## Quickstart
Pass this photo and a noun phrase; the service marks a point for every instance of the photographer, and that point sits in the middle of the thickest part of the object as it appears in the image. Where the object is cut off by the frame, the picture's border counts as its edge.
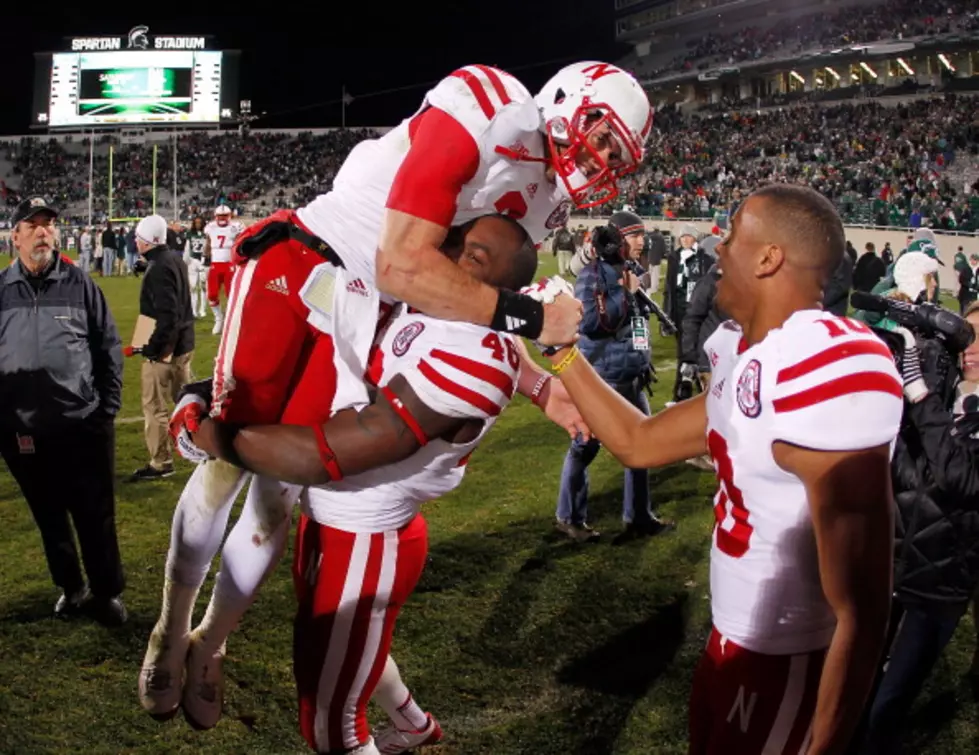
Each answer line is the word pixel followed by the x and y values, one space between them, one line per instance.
pixel 935 472
pixel 615 339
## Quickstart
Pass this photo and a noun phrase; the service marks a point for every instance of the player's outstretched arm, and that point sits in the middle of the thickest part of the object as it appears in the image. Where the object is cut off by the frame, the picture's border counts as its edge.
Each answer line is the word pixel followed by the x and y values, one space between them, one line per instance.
pixel 350 443
pixel 411 268
pixel 443 158
pixel 850 500
pixel 638 441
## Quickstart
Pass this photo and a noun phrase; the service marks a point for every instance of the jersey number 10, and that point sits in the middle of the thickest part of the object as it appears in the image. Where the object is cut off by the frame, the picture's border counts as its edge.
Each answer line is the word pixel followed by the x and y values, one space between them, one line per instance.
pixel 733 542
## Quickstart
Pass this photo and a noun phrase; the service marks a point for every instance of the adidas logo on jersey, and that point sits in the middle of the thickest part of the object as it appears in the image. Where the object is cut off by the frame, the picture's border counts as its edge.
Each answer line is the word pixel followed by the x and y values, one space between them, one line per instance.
pixel 356 286
pixel 513 323
pixel 279 285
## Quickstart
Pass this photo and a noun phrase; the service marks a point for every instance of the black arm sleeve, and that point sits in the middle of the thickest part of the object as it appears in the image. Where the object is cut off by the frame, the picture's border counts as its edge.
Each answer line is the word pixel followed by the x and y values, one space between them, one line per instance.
pixel 106 347
pixel 698 308
pixel 950 451
pixel 166 305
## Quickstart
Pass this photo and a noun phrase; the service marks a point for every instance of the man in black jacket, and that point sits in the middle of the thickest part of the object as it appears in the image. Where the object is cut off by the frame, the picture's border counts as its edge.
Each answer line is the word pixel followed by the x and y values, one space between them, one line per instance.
pixel 936 485
pixel 60 389
pixel 165 298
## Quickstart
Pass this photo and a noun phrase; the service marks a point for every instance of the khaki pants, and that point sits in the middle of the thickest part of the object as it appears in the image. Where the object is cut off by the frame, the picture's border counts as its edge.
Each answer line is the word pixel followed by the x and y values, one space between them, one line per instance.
pixel 161 383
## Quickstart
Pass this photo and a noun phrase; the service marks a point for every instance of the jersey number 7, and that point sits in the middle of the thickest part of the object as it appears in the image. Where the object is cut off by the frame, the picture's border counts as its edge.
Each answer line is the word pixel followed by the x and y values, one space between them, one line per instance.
pixel 221 240
pixel 733 542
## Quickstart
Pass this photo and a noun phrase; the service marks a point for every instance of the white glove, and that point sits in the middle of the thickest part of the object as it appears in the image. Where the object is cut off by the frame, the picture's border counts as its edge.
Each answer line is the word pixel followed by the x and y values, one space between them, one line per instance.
pixel 186 419
pixel 546 290
pixel 915 387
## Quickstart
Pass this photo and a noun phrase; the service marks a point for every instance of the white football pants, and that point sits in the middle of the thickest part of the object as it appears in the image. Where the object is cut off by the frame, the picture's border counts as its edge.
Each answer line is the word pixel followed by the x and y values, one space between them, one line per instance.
pixel 197 274
pixel 251 552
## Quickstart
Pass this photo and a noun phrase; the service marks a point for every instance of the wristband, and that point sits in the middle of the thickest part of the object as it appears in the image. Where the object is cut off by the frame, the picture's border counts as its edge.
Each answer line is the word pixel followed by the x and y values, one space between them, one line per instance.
pixel 563 364
pixel 327 456
pixel 402 411
pixel 535 394
pixel 518 314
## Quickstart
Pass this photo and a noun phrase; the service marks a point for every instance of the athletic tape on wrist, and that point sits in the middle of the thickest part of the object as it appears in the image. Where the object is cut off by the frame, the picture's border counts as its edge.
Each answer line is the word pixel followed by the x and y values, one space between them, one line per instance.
pixel 327 457
pixel 518 314
pixel 542 381
pixel 402 411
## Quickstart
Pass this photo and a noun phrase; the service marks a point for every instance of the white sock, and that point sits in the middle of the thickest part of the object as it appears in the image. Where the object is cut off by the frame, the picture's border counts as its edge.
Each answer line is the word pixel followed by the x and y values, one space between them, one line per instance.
pixel 178 607
pixel 218 315
pixel 396 700
pixel 198 526
pixel 251 552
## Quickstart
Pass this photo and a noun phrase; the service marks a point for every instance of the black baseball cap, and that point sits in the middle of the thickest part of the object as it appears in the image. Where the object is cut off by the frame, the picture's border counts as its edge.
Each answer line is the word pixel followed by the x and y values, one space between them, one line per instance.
pixel 31 207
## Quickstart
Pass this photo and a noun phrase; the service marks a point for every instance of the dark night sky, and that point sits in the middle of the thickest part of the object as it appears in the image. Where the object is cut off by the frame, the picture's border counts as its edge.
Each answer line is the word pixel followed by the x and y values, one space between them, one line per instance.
pixel 290 65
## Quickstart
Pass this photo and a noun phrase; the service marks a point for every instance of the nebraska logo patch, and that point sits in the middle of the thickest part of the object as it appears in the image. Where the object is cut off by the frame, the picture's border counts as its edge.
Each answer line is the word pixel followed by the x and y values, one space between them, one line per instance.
pixel 560 215
pixel 403 340
pixel 749 389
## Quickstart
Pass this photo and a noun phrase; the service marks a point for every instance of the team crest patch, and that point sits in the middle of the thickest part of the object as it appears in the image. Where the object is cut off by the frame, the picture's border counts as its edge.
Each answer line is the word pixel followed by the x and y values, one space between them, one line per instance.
pixel 560 215
pixel 749 389
pixel 403 340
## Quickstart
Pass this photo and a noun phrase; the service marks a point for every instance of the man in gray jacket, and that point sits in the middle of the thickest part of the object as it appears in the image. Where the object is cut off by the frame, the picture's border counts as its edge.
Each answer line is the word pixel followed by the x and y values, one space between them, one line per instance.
pixel 60 389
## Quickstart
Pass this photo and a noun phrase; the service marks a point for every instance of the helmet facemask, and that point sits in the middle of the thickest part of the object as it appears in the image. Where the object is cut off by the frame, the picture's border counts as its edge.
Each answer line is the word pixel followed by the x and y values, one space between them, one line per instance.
pixel 570 141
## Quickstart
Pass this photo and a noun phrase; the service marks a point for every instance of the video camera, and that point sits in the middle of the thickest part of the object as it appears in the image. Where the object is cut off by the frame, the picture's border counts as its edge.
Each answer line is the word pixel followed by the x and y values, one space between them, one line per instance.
pixel 924 320
pixel 609 244
pixel 941 335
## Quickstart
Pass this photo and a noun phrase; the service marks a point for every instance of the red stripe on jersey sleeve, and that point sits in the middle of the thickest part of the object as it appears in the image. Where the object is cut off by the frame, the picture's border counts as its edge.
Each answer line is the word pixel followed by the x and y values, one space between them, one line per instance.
pixel 478 90
pixel 494 78
pixel 858 382
pixel 441 382
pixel 835 353
pixel 478 370
pixel 443 158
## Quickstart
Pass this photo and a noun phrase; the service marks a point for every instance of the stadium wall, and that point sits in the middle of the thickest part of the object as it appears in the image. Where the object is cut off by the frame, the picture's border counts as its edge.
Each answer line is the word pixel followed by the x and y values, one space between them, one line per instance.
pixel 948 243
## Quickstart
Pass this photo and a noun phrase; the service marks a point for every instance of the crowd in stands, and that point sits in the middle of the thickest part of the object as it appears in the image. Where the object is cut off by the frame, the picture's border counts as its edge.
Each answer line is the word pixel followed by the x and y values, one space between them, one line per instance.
pixel 893 19
pixel 881 165
pixel 259 171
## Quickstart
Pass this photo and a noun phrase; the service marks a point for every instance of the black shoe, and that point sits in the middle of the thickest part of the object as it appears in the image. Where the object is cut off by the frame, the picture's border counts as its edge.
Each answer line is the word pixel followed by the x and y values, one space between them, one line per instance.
pixel 72 604
pixel 109 612
pixel 149 472
pixel 651 528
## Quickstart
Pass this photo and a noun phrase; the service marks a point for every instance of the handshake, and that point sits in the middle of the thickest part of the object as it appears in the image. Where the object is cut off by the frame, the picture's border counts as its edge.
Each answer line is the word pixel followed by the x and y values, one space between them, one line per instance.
pixel 562 314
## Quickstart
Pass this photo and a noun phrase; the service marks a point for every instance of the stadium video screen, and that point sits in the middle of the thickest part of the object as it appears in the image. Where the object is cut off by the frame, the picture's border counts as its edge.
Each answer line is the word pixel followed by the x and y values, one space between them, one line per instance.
pixel 139 87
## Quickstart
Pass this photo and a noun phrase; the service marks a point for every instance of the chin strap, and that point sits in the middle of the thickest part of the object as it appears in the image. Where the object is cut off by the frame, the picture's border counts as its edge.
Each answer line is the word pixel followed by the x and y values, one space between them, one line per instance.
pixel 521 156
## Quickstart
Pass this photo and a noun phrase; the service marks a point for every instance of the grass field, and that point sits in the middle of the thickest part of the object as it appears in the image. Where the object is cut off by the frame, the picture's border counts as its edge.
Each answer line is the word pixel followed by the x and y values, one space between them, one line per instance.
pixel 517 640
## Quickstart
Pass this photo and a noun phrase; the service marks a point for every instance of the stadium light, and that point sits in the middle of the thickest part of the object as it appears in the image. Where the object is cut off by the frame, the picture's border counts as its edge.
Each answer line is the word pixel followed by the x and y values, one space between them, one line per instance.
pixel 905 66
pixel 832 73
pixel 868 69
pixel 797 77
pixel 949 66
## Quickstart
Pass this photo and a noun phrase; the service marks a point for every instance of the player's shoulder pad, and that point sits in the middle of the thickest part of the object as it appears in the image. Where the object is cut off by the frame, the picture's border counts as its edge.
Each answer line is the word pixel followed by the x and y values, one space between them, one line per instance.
pixel 476 95
pixel 457 369
pixel 833 383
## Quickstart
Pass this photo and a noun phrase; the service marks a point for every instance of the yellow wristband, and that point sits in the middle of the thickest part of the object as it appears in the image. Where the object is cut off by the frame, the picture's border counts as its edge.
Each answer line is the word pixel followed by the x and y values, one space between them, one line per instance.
pixel 563 364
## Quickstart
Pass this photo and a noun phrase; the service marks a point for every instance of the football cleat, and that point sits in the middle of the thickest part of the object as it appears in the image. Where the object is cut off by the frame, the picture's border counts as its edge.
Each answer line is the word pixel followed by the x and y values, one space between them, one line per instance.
pixel 203 696
pixel 162 673
pixel 392 740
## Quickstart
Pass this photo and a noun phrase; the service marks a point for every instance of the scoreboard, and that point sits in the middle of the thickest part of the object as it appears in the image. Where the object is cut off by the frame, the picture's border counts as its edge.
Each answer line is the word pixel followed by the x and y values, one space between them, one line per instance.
pixel 135 80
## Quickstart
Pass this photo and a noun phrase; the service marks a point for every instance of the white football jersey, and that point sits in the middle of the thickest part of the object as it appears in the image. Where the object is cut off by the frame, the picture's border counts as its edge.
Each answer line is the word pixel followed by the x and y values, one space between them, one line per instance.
pixel 822 382
pixel 222 239
pixel 498 112
pixel 458 370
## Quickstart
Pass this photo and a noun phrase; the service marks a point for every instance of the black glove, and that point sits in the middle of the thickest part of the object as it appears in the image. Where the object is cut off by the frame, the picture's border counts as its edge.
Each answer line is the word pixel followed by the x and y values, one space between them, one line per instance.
pixel 202 389
pixel 608 242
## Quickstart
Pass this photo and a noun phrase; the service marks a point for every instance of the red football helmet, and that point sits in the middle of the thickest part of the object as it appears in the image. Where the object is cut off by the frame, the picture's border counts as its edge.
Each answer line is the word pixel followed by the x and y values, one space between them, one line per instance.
pixel 592 109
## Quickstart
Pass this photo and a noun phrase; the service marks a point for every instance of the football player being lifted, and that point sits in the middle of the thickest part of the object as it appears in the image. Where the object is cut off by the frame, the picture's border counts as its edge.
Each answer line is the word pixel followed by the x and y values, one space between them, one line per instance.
pixel 312 286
